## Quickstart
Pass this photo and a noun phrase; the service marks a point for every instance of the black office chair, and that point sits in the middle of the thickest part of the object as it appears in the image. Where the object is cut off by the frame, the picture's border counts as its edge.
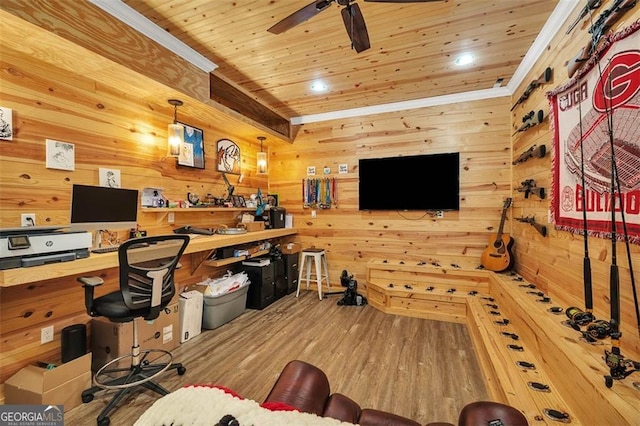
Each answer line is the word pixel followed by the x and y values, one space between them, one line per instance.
pixel 147 267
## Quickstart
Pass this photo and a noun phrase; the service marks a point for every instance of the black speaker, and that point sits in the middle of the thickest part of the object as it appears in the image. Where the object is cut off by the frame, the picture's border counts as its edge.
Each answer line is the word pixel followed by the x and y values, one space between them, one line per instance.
pixel 74 342
pixel 277 217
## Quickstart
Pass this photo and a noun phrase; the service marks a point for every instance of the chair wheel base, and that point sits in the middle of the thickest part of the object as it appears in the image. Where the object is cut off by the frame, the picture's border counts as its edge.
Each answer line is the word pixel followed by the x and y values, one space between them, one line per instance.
pixel 181 370
pixel 104 422
pixel 87 397
pixel 111 376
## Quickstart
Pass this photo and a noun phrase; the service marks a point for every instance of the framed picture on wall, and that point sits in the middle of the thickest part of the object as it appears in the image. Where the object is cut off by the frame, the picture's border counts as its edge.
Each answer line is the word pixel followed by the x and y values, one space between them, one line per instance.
pixel 60 155
pixel 6 124
pixel 192 151
pixel 272 200
pixel 228 157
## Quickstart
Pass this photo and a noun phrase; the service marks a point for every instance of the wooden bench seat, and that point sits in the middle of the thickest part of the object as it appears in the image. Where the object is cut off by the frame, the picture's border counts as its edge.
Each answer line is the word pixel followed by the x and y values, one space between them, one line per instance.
pixel 501 309
pixel 576 368
pixel 506 381
pixel 424 289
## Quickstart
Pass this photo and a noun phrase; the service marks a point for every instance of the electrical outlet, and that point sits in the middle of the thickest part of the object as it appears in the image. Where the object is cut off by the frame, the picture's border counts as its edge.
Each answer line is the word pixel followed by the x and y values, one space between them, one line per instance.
pixel 46 335
pixel 28 219
pixel 171 217
pixel 440 214
pixel 314 214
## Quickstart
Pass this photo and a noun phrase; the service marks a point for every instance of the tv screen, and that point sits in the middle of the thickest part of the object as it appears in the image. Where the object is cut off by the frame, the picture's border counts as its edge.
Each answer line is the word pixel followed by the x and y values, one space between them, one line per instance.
pixel 98 207
pixel 420 182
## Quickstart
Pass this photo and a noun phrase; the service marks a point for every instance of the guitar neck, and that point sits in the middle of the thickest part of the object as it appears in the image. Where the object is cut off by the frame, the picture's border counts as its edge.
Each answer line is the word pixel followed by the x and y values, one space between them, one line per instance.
pixel 499 236
pixel 502 219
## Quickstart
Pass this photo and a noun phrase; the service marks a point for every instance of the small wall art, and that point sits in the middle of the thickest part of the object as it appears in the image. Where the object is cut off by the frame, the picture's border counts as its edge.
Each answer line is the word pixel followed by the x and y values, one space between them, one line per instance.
pixel 109 177
pixel 192 151
pixel 228 157
pixel 6 124
pixel 311 170
pixel 343 168
pixel 60 155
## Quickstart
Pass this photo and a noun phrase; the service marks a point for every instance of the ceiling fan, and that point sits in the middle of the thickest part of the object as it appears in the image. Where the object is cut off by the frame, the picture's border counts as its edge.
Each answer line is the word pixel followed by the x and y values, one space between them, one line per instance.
pixel 351 15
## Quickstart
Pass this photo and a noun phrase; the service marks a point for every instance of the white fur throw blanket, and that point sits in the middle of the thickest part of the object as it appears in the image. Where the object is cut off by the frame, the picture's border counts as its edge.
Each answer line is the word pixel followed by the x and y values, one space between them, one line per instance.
pixel 206 405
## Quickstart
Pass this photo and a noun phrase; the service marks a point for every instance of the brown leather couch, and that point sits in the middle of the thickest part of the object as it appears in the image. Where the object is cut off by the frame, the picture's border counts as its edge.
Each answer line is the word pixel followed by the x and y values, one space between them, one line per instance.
pixel 488 413
pixel 306 388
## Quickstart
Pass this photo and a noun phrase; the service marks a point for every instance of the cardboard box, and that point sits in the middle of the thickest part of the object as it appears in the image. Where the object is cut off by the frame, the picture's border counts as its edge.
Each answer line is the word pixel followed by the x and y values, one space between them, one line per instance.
pixel 191 305
pixel 62 385
pixel 291 248
pixel 254 226
pixel 110 340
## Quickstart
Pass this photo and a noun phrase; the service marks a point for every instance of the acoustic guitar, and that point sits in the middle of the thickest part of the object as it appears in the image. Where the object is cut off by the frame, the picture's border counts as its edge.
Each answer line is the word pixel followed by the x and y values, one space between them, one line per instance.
pixel 498 255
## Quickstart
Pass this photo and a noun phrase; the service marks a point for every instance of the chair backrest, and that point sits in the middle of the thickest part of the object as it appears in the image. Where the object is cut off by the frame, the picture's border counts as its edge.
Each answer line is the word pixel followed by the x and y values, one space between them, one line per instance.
pixel 147 267
pixel 488 413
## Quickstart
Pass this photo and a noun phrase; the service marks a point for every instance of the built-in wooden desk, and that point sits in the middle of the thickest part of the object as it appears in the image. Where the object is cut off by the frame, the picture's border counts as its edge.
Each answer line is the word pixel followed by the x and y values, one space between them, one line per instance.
pixel 96 262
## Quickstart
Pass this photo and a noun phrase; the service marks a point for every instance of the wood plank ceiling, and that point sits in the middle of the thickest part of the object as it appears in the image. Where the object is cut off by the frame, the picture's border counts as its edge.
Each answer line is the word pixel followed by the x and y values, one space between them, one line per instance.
pixel 413 47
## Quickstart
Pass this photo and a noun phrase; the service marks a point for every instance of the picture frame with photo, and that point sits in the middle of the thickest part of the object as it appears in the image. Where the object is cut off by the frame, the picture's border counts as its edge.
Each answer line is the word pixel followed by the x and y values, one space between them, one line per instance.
pixel 192 151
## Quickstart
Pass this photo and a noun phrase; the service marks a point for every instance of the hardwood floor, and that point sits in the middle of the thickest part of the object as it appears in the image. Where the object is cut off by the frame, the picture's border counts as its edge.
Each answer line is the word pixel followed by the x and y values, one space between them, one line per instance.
pixel 421 369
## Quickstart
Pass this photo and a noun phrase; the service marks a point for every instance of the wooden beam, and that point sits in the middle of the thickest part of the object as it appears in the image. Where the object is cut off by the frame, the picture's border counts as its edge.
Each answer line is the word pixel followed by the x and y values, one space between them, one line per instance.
pixel 232 97
pixel 93 29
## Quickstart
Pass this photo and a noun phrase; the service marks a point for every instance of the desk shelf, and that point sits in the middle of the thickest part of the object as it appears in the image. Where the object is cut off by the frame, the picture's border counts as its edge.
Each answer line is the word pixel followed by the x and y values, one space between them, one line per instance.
pixel 235 259
pixel 195 209
pixel 199 245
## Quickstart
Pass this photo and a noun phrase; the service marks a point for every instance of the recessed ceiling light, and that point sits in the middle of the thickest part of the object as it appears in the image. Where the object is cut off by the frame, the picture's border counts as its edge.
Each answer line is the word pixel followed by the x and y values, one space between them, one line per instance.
pixel 318 86
pixel 465 59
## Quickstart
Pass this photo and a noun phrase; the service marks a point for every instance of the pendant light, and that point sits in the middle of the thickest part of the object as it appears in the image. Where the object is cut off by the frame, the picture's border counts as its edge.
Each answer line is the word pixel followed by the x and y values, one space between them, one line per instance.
pixel 175 131
pixel 261 165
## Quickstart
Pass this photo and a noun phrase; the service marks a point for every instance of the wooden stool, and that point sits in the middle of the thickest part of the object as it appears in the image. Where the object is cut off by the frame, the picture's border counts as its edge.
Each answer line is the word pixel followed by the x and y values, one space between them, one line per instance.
pixel 318 257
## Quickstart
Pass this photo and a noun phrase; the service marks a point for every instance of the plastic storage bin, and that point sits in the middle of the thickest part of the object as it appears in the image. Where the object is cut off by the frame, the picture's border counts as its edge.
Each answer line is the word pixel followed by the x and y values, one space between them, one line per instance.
pixel 219 310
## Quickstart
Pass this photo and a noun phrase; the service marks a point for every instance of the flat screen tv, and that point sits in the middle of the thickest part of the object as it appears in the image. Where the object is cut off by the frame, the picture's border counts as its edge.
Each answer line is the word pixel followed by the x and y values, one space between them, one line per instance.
pixel 101 208
pixel 419 182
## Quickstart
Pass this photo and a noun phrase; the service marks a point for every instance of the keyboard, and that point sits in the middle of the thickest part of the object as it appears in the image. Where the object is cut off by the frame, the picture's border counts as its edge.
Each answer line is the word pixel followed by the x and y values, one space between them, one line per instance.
pixel 107 249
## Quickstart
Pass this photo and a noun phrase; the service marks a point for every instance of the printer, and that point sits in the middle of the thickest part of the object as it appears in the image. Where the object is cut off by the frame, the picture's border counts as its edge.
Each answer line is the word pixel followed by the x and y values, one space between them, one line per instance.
pixel 33 246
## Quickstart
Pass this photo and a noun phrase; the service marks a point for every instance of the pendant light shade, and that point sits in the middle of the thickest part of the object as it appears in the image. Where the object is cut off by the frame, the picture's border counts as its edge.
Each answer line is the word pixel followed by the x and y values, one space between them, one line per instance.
pixel 261 166
pixel 175 131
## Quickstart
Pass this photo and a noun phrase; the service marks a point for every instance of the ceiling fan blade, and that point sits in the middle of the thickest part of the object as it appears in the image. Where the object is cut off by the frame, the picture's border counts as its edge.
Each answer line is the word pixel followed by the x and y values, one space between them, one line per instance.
pixel 402 1
pixel 299 16
pixel 359 36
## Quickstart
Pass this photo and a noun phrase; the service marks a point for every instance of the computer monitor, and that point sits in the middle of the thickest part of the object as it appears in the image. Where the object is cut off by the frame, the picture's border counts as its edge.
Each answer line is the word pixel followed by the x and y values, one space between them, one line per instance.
pixel 100 208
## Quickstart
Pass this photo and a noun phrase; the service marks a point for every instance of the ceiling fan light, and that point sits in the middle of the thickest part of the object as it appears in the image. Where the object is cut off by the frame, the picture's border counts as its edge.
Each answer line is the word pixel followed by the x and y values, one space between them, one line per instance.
pixel 465 59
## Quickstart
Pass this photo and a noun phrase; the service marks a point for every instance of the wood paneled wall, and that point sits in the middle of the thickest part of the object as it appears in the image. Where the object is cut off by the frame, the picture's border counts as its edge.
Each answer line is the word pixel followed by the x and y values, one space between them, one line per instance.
pixel 483 132
pixel 555 263
pixel 112 126
pixel 478 130
pixel 121 127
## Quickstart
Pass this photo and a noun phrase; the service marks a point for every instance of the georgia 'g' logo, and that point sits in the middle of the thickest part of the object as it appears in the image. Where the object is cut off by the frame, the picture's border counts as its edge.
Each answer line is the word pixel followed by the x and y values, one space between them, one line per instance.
pixel 619 81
